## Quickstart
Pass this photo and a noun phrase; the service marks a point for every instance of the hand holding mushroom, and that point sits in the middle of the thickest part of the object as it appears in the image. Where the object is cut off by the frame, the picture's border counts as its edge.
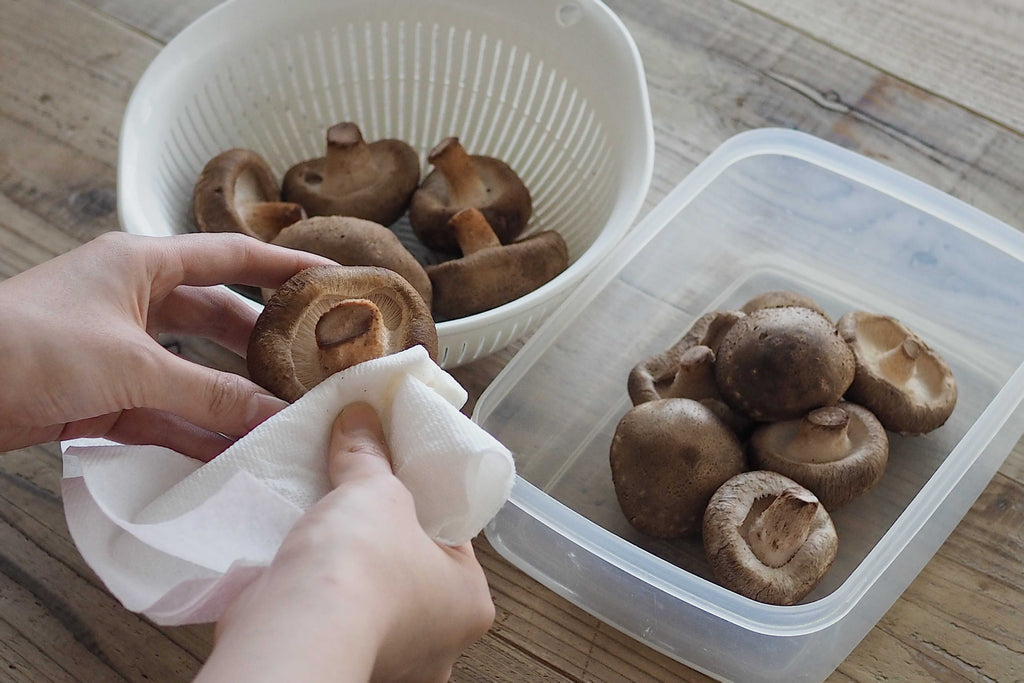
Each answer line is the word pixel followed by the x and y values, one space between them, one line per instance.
pixel 80 335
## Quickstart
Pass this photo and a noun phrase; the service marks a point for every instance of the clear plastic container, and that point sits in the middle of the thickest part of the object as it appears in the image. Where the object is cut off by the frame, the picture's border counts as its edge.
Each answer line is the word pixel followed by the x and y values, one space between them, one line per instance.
pixel 770 209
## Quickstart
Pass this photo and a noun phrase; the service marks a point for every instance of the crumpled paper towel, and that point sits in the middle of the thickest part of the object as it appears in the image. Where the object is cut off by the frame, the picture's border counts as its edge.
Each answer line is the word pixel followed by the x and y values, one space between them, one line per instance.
pixel 177 540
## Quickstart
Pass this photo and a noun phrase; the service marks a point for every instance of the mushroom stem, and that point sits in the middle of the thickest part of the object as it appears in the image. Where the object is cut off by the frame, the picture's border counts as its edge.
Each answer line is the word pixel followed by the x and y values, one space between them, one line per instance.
pixel 779 531
pixel 473 232
pixel 351 332
pixel 465 187
pixel 267 219
pixel 348 162
pixel 823 436
pixel 695 377
pixel 898 362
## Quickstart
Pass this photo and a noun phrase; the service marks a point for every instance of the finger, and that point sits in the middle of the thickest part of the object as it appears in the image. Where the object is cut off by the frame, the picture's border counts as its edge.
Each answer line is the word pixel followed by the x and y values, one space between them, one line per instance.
pixel 218 401
pixel 160 428
pixel 211 312
pixel 144 426
pixel 227 258
pixel 358 449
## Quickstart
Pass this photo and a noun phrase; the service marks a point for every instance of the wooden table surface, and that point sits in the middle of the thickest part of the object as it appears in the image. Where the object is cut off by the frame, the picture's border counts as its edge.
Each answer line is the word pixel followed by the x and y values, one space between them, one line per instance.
pixel 933 88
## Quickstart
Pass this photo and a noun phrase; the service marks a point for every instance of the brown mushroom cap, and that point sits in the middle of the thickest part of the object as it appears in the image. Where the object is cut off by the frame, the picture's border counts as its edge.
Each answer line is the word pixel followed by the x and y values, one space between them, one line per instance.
pixel 768 538
pixel 780 363
pixel 357 242
pixel 461 181
pixel 374 181
pixel 837 452
pixel 489 273
pixel 236 192
pixel 779 298
pixel 667 458
pixel 328 318
pixel 909 387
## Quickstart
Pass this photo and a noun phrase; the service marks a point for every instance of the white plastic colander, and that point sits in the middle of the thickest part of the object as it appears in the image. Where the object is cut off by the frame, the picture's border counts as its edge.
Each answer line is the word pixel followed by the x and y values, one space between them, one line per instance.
pixel 553 87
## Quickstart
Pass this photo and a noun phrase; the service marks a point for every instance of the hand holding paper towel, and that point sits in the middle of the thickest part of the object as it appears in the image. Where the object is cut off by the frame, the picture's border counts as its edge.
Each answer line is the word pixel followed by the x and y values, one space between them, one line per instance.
pixel 178 540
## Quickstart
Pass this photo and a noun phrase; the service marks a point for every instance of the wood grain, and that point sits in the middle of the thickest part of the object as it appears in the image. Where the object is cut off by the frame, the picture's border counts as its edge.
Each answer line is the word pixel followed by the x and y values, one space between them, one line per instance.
pixel 933 89
pixel 967 53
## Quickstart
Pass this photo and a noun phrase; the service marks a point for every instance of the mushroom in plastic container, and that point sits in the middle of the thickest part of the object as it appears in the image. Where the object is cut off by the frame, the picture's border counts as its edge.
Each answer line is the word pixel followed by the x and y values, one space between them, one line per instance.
pixel 374 181
pixel 687 370
pixel 768 538
pixel 779 363
pixel 236 192
pixel 906 384
pixel 462 181
pixel 782 298
pixel 837 452
pixel 356 242
pixel 490 273
pixel 328 318
pixel 667 457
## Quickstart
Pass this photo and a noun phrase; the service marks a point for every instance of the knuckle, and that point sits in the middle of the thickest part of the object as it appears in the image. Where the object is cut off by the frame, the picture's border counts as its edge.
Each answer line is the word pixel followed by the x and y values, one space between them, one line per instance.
pixel 224 394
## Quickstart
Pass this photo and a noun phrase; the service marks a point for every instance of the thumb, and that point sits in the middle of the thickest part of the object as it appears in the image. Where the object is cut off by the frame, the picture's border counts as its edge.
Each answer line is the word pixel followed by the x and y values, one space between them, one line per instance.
pixel 357 448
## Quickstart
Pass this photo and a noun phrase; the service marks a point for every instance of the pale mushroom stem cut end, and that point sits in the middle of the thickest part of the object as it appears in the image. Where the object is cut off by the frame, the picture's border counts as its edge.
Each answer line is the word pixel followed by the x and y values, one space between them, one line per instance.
pixel 781 529
pixel 348 161
pixel 823 436
pixel 473 232
pixel 465 187
pixel 350 333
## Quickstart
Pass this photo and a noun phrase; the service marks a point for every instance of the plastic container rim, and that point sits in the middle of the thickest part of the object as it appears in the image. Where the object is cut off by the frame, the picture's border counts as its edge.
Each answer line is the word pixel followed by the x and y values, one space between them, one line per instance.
pixel 794 620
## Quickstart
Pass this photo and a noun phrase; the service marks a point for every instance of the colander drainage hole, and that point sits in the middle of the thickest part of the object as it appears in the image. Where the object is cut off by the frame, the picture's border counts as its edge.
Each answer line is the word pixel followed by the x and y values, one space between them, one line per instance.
pixel 569 14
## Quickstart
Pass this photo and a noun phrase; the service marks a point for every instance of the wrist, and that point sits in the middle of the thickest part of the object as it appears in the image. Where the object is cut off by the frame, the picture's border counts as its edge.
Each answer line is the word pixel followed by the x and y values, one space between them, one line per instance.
pixel 298 628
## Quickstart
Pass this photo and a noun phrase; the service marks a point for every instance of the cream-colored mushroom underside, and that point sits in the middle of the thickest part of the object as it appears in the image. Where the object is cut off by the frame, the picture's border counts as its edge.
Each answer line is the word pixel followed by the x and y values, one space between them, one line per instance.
pixel 880 346
pixel 304 356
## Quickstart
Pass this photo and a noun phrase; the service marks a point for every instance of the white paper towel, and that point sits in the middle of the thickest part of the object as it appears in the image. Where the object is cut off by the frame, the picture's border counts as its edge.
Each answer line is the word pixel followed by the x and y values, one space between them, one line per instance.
pixel 177 540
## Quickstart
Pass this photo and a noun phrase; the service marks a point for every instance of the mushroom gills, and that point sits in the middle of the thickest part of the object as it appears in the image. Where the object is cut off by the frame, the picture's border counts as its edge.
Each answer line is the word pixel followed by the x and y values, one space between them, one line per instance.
pixel 901 361
pixel 906 384
pixel 268 219
pixel 327 318
pixel 777 528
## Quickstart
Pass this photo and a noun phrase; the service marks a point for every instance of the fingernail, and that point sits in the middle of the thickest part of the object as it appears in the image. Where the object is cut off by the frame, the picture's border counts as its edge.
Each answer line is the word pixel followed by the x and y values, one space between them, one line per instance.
pixel 358 417
pixel 261 407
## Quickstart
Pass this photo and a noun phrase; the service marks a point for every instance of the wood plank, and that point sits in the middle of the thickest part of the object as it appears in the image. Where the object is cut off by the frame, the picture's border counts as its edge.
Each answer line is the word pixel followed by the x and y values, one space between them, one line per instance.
pixel 157 19
pixel 714 69
pixel 61 100
pixel 84 630
pixel 967 52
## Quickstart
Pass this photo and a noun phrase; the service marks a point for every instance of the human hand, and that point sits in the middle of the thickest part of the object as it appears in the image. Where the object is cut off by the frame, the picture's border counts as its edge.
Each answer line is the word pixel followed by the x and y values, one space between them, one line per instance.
pixel 357 591
pixel 78 349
